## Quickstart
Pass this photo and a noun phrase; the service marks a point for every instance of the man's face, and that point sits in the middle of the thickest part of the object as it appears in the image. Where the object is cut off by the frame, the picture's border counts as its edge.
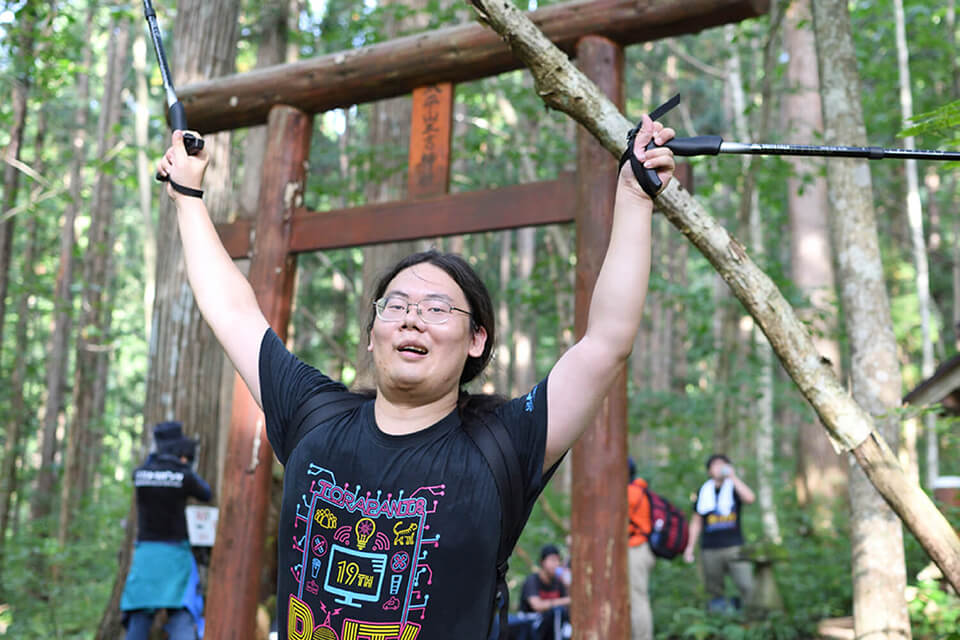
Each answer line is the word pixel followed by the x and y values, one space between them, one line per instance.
pixel 550 564
pixel 717 468
pixel 417 360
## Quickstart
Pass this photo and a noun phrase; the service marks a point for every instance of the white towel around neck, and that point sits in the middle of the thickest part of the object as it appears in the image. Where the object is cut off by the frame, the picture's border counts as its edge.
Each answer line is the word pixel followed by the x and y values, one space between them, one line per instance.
pixel 709 501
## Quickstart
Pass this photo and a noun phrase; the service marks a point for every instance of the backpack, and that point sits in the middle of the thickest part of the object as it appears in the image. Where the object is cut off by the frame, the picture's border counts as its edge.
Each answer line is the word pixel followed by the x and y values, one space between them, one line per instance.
pixel 664 524
pixel 491 437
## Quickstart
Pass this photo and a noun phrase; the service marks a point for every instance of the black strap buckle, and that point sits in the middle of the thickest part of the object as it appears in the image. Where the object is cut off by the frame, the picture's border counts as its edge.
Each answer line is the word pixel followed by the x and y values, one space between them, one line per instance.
pixel 649 180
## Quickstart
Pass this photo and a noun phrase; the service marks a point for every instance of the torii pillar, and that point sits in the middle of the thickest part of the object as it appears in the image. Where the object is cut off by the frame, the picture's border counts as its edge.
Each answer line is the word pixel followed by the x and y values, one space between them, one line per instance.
pixel 600 607
pixel 237 558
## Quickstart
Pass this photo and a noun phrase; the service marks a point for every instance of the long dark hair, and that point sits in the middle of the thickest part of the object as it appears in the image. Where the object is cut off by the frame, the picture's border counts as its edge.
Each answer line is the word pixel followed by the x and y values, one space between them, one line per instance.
pixel 481 308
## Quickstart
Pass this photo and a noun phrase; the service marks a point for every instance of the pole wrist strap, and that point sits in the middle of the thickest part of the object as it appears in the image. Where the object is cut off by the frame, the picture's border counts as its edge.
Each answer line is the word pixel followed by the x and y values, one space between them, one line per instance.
pixel 187 191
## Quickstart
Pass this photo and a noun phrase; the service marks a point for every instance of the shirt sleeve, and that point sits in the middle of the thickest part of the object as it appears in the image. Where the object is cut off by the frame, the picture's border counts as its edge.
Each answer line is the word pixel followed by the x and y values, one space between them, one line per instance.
pixel 526 420
pixel 530 588
pixel 285 383
pixel 199 488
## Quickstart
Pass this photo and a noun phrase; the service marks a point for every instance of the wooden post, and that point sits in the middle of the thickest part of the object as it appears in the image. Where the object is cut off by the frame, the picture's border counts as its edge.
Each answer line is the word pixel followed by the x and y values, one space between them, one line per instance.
pixel 600 608
pixel 238 554
pixel 428 173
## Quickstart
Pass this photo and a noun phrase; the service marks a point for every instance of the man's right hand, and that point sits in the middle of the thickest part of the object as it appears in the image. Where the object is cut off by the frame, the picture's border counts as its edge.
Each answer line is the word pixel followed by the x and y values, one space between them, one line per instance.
pixel 185 170
pixel 688 555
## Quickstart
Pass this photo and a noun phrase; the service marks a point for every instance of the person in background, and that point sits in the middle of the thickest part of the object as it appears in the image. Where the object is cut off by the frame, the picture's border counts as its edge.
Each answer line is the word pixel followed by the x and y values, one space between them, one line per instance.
pixel 546 594
pixel 163 574
pixel 716 515
pixel 640 557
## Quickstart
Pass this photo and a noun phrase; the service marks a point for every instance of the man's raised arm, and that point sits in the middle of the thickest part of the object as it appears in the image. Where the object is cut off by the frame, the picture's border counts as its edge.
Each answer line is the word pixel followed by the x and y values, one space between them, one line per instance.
pixel 222 292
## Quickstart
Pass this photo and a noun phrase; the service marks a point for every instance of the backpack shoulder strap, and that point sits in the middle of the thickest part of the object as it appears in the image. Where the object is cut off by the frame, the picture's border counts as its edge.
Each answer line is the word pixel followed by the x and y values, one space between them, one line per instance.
pixel 490 436
pixel 318 402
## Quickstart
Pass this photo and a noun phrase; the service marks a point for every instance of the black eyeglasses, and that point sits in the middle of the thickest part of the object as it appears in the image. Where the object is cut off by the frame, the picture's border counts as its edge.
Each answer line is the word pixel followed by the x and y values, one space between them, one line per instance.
pixel 430 310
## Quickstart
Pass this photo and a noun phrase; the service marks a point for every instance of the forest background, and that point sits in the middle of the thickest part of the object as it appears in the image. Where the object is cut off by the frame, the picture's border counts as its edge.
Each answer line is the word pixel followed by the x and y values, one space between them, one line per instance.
pixel 86 242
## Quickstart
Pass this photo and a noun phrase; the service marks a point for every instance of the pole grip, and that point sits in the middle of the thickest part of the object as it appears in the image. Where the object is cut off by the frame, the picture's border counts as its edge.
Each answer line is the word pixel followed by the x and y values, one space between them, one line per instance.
pixel 695 146
pixel 178 120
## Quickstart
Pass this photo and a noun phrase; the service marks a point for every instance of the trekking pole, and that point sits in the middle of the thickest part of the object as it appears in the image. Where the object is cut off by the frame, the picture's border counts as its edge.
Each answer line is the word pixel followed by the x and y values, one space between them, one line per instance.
pixel 714 145
pixel 175 111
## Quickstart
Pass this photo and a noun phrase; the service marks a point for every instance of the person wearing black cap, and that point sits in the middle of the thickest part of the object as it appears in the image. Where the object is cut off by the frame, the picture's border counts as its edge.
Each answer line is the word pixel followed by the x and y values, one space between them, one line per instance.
pixel 163 574
pixel 716 513
pixel 545 593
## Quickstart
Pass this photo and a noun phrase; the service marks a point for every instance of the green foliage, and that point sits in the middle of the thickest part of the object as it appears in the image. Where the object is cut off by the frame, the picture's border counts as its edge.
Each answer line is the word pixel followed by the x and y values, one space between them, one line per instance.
pixel 934 611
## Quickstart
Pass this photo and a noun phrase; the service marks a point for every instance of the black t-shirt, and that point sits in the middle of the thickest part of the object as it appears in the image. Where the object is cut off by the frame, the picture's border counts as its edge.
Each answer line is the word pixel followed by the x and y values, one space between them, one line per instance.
pixel 719 531
pixel 534 586
pixel 381 534
pixel 163 484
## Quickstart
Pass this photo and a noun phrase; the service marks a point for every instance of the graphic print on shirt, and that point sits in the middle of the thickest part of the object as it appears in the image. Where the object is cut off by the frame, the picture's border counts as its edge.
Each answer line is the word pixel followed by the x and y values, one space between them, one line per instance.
pixel 362 569
pixel 716 522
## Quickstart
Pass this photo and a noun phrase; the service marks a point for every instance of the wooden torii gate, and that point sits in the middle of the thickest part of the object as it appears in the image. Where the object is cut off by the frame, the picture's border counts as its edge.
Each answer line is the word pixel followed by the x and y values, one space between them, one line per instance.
pixel 286 97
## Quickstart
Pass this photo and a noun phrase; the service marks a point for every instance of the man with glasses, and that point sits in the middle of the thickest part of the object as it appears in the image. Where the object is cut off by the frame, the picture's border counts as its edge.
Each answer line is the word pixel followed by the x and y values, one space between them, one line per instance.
pixel 391 516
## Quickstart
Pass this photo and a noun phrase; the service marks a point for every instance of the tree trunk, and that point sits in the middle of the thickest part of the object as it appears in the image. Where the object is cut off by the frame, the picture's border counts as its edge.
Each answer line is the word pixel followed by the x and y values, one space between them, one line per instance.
pixel 22 55
pixel 93 341
pixel 919 244
pixel 561 86
pixel 504 357
pixel 57 352
pixel 879 572
pixel 21 416
pixel 523 336
pixel 822 472
pixel 274 21
pixel 18 411
pixel 761 412
pixel 186 362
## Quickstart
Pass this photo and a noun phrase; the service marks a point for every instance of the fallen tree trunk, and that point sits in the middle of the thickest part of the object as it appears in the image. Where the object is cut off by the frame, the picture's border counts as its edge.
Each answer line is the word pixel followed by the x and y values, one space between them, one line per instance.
pixel 563 87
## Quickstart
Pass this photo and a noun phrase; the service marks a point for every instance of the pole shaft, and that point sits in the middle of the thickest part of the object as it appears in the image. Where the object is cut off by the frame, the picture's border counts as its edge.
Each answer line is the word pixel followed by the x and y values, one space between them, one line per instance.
pixel 873 153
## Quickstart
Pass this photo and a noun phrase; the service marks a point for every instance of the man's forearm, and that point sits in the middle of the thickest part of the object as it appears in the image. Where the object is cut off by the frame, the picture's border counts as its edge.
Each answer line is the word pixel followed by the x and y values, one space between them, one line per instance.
pixel 621 288
pixel 217 283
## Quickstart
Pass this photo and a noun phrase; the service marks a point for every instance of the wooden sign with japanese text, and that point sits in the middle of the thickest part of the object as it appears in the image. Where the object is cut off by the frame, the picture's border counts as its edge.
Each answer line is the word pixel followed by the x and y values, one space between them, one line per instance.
pixel 430 124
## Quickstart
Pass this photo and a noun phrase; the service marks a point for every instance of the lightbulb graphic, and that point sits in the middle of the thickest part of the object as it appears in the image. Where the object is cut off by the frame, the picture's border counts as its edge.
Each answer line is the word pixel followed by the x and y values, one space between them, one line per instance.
pixel 365 528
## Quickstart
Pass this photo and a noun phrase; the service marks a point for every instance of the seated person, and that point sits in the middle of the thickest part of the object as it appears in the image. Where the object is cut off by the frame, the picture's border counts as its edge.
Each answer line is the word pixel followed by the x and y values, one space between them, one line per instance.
pixel 545 593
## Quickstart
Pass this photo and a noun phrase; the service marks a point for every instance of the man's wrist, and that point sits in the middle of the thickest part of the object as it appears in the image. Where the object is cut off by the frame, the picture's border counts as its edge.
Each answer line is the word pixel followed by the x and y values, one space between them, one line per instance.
pixel 187 191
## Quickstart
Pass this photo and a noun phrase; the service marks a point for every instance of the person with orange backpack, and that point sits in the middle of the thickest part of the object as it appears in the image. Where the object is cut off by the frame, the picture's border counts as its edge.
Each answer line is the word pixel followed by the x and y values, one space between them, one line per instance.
pixel 656 529
pixel 640 557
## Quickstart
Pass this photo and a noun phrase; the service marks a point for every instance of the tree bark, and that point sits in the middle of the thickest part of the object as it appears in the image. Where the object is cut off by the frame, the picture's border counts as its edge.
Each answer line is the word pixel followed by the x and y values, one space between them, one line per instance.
pixel 186 362
pixel 879 572
pixel 562 87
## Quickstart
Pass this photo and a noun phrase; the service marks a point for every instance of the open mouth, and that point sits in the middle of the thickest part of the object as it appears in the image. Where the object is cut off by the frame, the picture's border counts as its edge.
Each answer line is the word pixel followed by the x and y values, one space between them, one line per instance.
pixel 412 348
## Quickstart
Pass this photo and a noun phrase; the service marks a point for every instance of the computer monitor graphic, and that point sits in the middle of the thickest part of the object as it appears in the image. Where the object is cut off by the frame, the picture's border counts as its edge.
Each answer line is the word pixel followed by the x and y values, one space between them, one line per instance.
pixel 354 576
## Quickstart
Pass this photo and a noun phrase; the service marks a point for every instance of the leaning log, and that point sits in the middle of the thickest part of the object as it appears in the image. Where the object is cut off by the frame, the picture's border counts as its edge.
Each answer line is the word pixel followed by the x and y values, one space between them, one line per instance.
pixel 561 86
pixel 454 54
